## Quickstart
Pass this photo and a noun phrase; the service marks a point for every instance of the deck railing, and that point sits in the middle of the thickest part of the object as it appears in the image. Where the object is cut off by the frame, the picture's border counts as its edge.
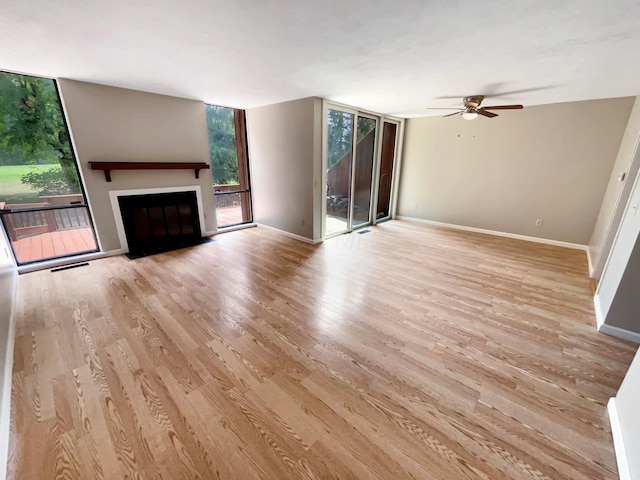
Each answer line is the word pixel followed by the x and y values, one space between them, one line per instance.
pixel 56 212
pixel 231 195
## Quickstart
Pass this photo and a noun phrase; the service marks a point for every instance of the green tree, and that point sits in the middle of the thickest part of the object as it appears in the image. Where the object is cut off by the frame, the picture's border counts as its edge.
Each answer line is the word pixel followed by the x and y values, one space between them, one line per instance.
pixel 32 128
pixel 365 125
pixel 339 135
pixel 222 144
pixel 49 182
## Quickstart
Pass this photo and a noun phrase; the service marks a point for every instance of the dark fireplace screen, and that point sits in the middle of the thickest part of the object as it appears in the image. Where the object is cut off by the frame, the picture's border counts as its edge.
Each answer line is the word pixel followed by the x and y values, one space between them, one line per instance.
pixel 160 222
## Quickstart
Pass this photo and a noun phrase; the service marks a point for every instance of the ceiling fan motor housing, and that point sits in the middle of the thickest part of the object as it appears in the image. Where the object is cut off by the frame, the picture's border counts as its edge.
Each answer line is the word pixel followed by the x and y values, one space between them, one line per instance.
pixel 473 101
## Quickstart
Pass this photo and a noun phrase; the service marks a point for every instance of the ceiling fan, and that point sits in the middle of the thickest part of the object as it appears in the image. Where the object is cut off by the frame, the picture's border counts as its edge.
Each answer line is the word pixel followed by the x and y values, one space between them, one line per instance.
pixel 472 108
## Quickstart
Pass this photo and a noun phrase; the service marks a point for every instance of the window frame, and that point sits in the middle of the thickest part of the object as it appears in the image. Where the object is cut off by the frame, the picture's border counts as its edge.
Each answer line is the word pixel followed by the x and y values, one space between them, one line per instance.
pixel 84 204
pixel 244 170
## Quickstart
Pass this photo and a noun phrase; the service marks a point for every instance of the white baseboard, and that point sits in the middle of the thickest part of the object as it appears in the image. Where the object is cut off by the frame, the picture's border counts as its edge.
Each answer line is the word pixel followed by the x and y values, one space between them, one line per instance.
pixel 113 253
pixel 619 333
pixel 598 310
pixel 5 397
pixel 610 329
pixel 589 262
pixel 233 228
pixel 290 235
pixel 61 262
pixel 546 241
pixel 624 472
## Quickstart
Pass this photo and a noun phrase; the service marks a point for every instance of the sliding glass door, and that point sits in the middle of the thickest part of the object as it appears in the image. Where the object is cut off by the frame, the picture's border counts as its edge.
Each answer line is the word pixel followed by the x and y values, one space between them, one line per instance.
pixel 363 170
pixel 361 151
pixel 340 128
pixel 42 203
pixel 385 176
pixel 351 154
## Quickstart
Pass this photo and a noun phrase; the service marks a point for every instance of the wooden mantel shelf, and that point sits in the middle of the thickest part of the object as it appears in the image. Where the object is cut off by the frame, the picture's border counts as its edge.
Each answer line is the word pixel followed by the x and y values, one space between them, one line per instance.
pixel 108 166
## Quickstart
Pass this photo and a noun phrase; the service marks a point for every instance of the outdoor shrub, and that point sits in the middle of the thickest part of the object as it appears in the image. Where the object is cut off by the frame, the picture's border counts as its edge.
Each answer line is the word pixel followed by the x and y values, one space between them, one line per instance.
pixel 54 181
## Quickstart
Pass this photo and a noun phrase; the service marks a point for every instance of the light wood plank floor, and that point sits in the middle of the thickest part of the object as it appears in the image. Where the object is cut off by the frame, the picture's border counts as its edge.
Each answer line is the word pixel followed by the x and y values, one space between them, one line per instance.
pixel 407 352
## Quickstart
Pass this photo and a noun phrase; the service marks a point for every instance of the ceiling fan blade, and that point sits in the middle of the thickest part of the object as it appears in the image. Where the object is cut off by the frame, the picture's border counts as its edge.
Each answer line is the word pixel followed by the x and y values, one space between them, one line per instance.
pixel 445 108
pixel 493 90
pixel 452 114
pixel 482 111
pixel 514 92
pixel 450 97
pixel 505 107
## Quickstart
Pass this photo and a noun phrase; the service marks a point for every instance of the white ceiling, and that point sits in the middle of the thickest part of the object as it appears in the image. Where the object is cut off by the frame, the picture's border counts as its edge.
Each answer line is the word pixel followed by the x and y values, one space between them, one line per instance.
pixel 394 57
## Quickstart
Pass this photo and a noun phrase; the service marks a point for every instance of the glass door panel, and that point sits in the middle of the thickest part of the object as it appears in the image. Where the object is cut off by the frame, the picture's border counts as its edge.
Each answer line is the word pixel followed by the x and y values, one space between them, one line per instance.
pixel 42 204
pixel 386 170
pixel 363 171
pixel 231 208
pixel 340 127
pixel 44 233
pixel 229 165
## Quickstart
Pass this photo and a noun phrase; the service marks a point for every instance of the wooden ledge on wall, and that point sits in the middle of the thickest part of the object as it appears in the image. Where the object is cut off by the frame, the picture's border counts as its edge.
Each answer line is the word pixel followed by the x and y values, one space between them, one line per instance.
pixel 108 166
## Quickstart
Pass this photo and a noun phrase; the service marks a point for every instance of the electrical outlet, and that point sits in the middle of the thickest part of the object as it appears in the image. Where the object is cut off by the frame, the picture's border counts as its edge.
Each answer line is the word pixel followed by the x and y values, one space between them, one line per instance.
pixel 414 206
pixel 539 222
pixel 302 222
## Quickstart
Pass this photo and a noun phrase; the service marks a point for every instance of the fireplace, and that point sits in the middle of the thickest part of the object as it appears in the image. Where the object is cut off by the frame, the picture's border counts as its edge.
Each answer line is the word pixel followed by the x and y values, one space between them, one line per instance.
pixel 158 221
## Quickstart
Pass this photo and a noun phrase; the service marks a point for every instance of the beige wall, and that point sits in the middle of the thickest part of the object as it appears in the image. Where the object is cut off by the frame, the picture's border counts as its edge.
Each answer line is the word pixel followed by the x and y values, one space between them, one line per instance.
pixel 114 124
pixel 283 156
pixel 616 194
pixel 550 162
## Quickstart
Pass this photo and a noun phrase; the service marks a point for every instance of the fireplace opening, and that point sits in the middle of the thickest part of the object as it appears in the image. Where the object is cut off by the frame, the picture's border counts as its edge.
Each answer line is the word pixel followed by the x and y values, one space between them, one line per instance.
pixel 160 222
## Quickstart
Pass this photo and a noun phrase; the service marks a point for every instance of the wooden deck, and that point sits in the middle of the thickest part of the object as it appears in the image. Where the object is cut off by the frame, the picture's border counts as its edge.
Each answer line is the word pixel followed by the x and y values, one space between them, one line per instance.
pixel 229 215
pixel 54 244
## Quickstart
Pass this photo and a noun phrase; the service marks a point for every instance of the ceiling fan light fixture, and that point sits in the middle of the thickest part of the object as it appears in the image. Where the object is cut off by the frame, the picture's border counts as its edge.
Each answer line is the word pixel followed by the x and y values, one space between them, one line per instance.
pixel 469 114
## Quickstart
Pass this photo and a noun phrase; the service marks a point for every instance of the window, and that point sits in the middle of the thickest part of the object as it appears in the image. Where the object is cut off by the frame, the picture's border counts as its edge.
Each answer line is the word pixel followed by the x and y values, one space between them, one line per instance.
pixel 229 165
pixel 42 203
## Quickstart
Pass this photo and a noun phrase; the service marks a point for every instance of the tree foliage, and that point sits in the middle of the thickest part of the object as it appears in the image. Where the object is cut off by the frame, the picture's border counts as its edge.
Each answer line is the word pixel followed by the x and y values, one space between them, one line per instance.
pixel 340 134
pixel 365 125
pixel 32 131
pixel 222 144
pixel 50 182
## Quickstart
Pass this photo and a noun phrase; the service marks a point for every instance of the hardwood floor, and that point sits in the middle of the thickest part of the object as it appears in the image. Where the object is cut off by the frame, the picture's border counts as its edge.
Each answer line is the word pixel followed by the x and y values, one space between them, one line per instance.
pixel 407 352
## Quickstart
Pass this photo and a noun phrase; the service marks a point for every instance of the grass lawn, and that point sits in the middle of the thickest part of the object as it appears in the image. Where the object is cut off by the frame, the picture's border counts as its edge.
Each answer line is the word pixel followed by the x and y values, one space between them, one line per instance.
pixel 12 190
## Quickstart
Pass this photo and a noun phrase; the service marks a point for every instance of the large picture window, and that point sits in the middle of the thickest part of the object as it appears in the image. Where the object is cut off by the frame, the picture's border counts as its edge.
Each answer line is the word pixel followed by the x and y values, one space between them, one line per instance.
pixel 229 165
pixel 42 203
